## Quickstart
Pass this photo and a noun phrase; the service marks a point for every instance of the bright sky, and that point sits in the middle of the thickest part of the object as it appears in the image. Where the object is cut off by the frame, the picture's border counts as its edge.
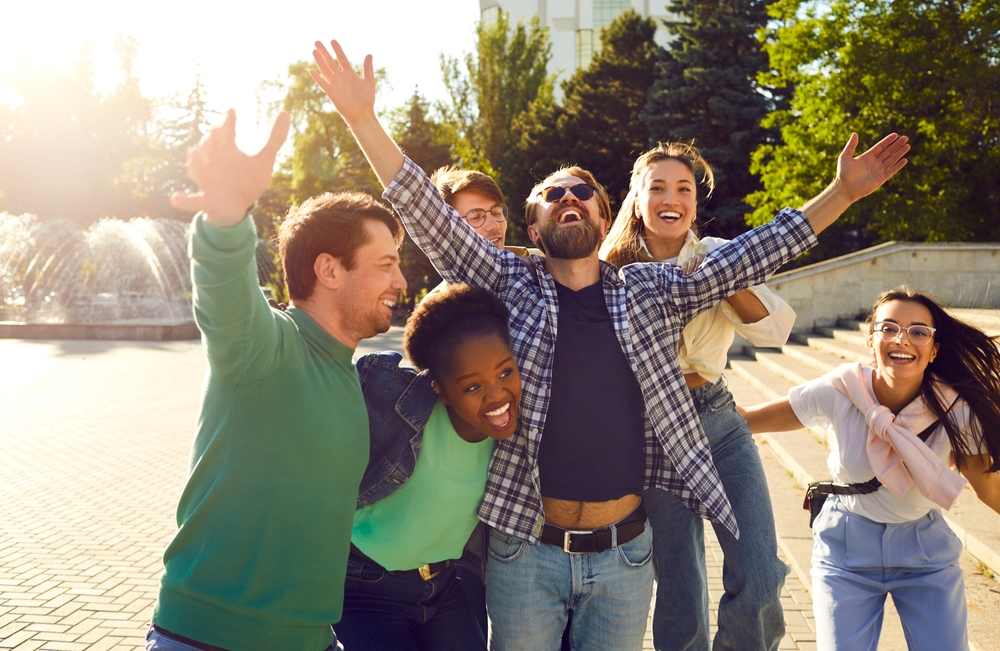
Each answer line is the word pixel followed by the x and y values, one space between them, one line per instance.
pixel 237 46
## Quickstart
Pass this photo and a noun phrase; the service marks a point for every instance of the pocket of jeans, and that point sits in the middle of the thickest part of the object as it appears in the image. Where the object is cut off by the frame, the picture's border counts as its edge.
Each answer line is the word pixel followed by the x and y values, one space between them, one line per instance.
pixel 504 548
pixel 360 571
pixel 638 551
pixel 722 401
pixel 938 544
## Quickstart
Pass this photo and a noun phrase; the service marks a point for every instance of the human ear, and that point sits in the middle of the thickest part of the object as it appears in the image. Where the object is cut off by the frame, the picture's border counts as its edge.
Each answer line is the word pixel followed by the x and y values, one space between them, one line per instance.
pixel 440 393
pixel 533 234
pixel 329 271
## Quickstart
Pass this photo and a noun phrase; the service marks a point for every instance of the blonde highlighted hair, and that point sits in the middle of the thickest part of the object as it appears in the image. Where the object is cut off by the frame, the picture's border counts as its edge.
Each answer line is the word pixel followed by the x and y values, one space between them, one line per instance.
pixel 623 243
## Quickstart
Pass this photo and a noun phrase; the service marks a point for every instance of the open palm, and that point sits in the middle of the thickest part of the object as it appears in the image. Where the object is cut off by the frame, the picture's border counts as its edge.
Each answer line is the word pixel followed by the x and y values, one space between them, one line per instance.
pixel 229 181
pixel 863 175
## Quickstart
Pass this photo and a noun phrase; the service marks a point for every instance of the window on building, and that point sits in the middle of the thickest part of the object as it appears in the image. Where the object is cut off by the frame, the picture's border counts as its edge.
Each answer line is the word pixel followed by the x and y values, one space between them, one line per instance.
pixel 490 15
pixel 584 47
pixel 606 11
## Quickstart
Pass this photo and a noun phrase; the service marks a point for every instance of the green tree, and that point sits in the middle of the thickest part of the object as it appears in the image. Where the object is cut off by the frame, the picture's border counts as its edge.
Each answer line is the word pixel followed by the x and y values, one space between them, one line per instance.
pixel 490 88
pixel 707 91
pixel 930 70
pixel 65 146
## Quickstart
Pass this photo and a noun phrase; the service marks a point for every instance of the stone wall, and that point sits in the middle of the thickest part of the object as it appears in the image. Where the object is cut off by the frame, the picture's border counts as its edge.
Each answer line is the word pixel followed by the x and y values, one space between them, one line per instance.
pixel 956 274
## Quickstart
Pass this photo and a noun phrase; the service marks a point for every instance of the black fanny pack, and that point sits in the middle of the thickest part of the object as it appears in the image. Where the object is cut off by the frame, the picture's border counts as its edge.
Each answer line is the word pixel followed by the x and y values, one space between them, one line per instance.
pixel 818 491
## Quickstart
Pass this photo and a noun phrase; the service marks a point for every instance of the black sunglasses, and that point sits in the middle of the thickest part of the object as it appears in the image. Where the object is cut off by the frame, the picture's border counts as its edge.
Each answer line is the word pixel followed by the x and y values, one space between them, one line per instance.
pixel 581 191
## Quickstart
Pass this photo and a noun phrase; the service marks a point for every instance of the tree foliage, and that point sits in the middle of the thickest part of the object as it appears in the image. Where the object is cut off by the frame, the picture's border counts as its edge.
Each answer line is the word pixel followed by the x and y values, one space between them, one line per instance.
pixel 598 125
pixel 490 88
pixel 64 147
pixel 707 91
pixel 930 70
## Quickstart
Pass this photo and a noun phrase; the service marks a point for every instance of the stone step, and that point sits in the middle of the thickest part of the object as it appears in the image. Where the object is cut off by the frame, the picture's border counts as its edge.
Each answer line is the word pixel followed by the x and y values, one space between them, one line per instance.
pixel 785 366
pixel 766 382
pixel 820 360
pixel 848 352
pixel 852 336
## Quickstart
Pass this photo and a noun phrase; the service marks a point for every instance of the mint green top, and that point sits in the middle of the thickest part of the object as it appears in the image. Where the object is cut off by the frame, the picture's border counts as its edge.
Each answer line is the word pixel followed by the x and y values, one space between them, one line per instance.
pixel 431 516
pixel 282 442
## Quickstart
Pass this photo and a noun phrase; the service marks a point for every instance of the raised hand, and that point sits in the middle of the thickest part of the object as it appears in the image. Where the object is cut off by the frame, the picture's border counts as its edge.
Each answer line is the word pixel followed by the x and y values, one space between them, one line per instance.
pixel 352 95
pixel 229 181
pixel 863 175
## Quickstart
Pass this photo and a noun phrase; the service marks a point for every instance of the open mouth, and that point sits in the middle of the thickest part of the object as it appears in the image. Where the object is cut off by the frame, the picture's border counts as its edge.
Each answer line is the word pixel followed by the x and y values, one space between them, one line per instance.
pixel 388 303
pixel 501 418
pixel 901 357
pixel 669 215
pixel 569 216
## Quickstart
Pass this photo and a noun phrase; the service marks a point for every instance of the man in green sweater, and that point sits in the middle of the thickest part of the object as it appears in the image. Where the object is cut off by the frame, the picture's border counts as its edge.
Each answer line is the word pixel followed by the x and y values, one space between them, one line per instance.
pixel 259 560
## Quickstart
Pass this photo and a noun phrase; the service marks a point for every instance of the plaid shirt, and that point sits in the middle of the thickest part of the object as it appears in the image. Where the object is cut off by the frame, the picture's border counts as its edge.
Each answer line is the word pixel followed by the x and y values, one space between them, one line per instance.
pixel 649 305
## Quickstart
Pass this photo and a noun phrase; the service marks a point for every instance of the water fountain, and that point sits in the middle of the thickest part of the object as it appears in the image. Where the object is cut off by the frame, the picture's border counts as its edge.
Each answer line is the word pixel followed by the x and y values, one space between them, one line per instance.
pixel 115 280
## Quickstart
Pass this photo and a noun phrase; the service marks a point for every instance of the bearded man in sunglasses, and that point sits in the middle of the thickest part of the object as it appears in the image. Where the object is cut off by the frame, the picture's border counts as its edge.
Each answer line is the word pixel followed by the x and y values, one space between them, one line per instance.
pixel 605 413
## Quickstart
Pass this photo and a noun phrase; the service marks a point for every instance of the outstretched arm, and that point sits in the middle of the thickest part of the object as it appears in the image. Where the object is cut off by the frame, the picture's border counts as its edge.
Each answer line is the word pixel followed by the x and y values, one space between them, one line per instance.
pixel 353 96
pixel 856 178
pixel 773 416
pixel 229 181
pixel 986 484
pixel 242 341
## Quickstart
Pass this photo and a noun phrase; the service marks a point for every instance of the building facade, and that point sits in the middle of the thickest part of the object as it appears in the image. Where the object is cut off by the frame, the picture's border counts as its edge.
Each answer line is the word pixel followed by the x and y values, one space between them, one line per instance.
pixel 574 25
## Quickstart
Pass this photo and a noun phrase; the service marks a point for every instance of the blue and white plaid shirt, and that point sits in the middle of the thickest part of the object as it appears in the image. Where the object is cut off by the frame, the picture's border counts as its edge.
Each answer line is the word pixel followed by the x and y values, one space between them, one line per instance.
pixel 649 305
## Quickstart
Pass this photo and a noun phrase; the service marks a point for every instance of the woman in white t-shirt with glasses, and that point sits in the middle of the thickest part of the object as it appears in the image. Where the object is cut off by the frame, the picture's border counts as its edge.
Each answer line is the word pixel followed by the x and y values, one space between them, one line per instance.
pixel 930 401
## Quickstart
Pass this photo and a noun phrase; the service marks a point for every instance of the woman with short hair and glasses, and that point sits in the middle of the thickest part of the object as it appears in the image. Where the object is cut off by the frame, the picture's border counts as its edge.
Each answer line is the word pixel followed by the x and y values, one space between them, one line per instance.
pixel 929 403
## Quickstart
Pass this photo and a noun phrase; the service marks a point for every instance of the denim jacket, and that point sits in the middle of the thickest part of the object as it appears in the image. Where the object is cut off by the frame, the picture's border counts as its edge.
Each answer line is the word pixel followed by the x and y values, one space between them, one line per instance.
pixel 400 401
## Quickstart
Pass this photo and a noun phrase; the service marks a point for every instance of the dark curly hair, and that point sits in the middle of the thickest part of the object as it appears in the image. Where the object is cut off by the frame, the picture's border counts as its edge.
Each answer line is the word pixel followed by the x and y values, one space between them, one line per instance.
pixel 447 317
pixel 969 361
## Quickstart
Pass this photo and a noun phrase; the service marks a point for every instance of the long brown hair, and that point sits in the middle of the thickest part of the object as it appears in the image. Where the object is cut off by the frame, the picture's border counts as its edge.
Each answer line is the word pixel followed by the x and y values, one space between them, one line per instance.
pixel 968 361
pixel 622 245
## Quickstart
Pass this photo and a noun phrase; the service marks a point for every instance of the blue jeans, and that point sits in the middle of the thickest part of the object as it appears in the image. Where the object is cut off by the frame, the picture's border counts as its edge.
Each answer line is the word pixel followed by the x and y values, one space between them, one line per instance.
pixel 750 615
pixel 399 611
pixel 531 589
pixel 857 561
pixel 157 641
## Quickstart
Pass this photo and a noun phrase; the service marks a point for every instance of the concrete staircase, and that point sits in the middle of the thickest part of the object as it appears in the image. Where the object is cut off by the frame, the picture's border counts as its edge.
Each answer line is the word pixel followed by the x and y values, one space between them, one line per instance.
pixel 764 374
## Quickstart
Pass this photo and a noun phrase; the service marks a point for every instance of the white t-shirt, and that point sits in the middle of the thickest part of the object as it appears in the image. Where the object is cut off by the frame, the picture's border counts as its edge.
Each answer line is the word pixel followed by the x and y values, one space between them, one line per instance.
pixel 819 404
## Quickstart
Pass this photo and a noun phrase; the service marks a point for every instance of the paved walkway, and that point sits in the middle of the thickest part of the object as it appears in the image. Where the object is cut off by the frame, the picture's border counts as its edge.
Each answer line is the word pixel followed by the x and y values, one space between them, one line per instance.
pixel 94 443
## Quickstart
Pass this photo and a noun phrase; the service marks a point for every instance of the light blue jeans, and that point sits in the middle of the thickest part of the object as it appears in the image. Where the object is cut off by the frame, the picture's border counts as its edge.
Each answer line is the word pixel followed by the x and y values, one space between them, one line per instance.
pixel 750 615
pixel 857 561
pixel 531 589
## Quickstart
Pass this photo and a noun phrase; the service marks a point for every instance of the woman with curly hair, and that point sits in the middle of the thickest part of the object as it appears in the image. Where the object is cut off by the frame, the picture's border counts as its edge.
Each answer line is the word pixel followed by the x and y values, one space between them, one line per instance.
pixel 657 223
pixel 929 403
pixel 432 434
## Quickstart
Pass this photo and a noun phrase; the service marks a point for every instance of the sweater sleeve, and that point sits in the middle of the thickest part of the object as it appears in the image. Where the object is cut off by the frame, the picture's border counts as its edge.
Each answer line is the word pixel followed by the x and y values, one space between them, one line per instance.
pixel 741 263
pixel 240 332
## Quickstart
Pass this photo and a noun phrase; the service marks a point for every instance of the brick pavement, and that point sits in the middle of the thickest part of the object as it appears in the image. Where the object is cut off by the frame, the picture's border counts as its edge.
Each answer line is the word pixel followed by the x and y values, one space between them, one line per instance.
pixel 94 444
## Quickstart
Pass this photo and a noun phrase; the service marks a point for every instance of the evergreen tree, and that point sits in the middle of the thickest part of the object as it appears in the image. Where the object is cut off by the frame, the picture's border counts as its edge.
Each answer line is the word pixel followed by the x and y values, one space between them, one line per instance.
pixel 598 125
pixel 490 89
pixel 707 90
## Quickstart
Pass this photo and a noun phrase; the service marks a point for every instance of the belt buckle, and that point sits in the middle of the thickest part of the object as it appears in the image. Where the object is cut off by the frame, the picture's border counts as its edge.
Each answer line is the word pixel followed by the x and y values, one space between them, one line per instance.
pixel 426 574
pixel 566 541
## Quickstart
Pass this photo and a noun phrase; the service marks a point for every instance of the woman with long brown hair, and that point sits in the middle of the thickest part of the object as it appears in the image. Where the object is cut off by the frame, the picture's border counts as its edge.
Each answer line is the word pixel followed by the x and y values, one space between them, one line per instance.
pixel 930 402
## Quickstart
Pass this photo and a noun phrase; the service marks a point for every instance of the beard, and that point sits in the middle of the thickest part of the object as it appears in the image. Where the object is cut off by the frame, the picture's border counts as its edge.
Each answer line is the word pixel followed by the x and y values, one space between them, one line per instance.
pixel 361 321
pixel 571 243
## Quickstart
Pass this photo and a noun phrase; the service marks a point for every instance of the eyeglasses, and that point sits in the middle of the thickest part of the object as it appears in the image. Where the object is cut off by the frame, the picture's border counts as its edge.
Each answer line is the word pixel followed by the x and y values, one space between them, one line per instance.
pixel 477 216
pixel 919 335
pixel 581 191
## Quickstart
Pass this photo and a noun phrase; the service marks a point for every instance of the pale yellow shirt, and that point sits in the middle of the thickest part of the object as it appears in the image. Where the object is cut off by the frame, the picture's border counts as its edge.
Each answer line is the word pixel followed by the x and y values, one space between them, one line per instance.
pixel 706 339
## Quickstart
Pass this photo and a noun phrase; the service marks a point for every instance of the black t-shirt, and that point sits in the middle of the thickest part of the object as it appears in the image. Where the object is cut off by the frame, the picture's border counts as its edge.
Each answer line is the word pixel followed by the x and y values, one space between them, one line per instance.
pixel 592 444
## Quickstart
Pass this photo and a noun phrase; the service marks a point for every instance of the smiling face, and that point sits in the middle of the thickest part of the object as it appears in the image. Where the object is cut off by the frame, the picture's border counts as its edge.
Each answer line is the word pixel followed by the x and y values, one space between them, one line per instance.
pixel 481 387
pixel 568 227
pixel 899 359
pixel 369 291
pixel 492 229
pixel 667 205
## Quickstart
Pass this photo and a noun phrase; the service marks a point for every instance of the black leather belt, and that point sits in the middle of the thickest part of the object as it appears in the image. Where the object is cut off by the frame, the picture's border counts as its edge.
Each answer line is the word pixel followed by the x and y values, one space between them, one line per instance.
pixel 598 540
pixel 426 572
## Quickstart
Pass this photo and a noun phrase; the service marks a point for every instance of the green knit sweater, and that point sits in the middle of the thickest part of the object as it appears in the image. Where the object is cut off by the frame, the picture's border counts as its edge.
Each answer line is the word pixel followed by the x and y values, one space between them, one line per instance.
pixel 282 442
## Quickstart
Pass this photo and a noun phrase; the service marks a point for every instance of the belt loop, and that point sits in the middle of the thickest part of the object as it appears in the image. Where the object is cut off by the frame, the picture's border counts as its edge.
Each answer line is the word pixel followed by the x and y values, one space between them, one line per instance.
pixel 614 537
